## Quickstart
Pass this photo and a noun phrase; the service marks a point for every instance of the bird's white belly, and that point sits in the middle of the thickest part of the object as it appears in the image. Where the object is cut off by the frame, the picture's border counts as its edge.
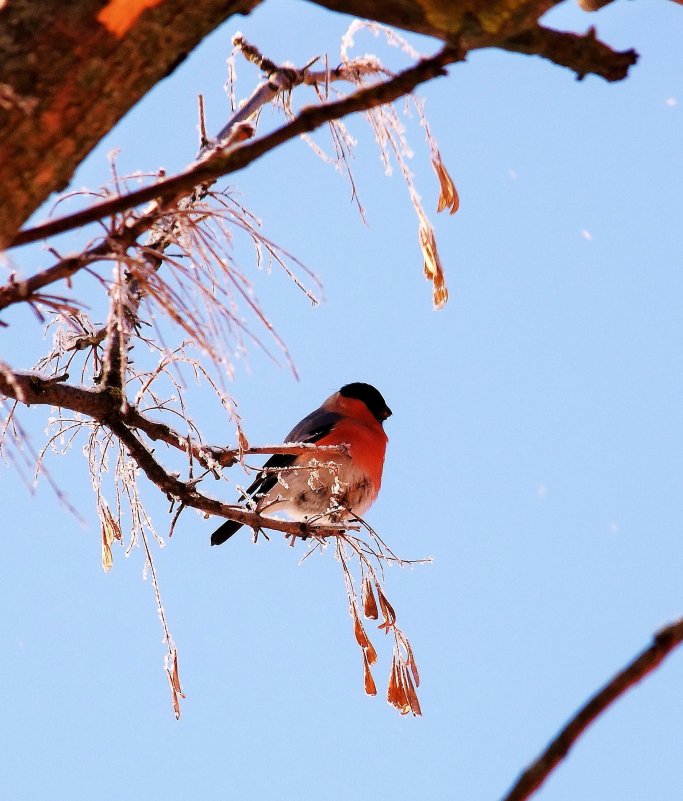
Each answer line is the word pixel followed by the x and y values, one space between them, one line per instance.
pixel 329 490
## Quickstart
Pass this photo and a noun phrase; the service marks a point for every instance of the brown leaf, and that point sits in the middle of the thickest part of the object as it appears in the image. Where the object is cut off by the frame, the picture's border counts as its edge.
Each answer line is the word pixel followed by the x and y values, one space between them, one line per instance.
pixel 432 264
pixel 448 197
pixel 107 557
pixel 112 526
pixel 369 603
pixel 174 681
pixel 402 703
pixel 399 693
pixel 176 676
pixel 174 697
pixel 395 692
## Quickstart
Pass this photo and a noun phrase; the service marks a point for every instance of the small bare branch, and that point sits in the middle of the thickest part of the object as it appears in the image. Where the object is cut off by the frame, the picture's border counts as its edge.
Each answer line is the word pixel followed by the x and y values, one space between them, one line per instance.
pixel 203 138
pixel 188 495
pixel 665 641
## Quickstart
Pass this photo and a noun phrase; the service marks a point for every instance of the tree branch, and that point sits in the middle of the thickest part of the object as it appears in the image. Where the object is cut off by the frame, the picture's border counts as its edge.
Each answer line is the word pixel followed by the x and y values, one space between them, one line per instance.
pixel 584 54
pixel 236 130
pixel 212 455
pixel 104 407
pixel 665 641
pixel 222 162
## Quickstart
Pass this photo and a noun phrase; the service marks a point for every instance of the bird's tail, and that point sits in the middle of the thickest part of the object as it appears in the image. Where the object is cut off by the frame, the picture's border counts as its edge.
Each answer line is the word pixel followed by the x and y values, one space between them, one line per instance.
pixel 224 532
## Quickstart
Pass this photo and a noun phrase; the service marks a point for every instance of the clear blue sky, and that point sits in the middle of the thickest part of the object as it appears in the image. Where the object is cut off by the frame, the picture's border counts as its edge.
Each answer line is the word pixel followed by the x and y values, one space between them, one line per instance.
pixel 536 452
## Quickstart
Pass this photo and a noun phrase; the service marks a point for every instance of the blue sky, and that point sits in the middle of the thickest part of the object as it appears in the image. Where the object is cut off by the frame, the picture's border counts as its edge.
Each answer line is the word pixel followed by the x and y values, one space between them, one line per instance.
pixel 536 453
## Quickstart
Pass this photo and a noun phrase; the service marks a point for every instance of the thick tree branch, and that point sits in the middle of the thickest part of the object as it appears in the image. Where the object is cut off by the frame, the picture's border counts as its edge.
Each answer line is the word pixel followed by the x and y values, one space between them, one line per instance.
pixel 585 55
pixel 74 71
pixel 665 641
pixel 221 162
pixel 484 22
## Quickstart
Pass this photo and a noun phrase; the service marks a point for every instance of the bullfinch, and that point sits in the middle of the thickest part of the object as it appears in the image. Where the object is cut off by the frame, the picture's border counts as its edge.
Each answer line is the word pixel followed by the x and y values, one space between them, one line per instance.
pixel 332 489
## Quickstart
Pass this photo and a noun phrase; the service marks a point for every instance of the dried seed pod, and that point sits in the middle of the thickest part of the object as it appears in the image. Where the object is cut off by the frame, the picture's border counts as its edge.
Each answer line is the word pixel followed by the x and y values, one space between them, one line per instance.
pixel 448 197
pixel 370 688
pixel 411 694
pixel 174 681
pixel 412 664
pixel 369 603
pixel 110 531
pixel 370 653
pixel 387 610
pixel 396 694
pixel 433 269
pixel 361 635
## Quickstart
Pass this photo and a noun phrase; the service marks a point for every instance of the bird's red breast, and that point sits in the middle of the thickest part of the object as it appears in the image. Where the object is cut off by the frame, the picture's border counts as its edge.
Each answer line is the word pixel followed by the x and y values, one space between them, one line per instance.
pixel 365 437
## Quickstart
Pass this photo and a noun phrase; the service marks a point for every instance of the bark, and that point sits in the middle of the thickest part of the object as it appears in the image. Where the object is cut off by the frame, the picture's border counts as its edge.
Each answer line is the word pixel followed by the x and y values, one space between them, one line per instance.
pixel 463 22
pixel 70 71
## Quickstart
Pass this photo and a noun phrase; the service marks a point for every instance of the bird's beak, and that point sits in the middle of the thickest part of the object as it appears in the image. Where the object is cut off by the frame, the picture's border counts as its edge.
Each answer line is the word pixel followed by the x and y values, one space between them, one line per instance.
pixel 387 413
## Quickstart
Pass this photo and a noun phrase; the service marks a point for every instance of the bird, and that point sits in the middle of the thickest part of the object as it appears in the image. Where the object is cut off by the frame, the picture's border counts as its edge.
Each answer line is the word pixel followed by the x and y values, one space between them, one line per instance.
pixel 329 490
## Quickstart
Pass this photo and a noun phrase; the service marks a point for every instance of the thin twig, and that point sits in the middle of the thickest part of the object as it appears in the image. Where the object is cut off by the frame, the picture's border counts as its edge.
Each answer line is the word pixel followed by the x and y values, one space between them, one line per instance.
pixel 203 138
pixel 664 642
pixel 16 291
pixel 34 390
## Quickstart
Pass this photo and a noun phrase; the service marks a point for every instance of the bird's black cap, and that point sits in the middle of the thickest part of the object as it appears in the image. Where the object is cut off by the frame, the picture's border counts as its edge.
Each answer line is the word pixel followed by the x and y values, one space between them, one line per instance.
pixel 370 396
